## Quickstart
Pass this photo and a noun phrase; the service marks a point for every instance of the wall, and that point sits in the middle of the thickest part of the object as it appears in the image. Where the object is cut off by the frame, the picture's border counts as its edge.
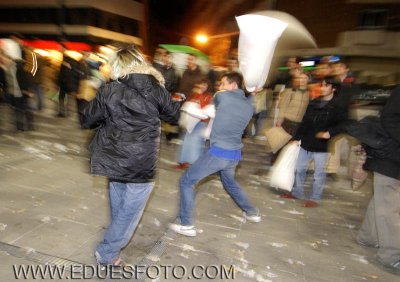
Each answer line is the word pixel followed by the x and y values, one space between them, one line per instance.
pixel 325 19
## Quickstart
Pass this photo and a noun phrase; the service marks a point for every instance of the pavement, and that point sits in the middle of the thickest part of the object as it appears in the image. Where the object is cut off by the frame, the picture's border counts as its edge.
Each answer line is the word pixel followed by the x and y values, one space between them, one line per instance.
pixel 53 213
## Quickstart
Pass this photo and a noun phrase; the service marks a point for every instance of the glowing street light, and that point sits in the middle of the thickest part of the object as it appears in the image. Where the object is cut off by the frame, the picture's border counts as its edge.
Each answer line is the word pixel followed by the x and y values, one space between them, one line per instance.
pixel 202 38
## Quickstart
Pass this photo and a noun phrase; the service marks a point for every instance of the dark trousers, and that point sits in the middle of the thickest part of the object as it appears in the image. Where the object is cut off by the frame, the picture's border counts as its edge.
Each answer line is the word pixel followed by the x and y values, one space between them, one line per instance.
pixel 381 225
pixel 23 113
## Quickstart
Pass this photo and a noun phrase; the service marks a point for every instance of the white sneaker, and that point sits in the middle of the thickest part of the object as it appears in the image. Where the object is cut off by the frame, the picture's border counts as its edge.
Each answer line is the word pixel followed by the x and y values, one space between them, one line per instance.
pixel 187 230
pixel 252 218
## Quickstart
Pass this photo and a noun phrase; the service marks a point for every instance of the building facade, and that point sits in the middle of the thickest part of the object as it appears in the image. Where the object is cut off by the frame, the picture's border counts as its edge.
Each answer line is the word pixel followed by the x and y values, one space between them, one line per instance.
pixel 366 32
pixel 93 22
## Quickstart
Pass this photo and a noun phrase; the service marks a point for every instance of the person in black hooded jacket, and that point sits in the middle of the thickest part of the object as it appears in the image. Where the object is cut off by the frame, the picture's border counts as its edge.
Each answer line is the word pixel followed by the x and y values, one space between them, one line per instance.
pixel 126 114
pixel 381 225
pixel 325 117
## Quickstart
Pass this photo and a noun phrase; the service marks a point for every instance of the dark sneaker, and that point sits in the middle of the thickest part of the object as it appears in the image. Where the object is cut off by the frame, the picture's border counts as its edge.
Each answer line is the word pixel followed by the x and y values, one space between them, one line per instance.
pixel 367 244
pixel 288 196
pixel 182 166
pixel 393 267
pixel 310 204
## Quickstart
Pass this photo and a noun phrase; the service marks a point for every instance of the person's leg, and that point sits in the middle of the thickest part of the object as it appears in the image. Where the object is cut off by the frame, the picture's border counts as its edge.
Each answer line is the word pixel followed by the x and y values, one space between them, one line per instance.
pixel 37 89
pixel 250 128
pixel 319 175
pixel 61 103
pixel 73 104
pixel 300 174
pixel 260 119
pixel 117 192
pixel 197 142
pixel 122 227
pixel 335 147
pixel 28 112
pixel 19 113
pixel 203 167
pixel 235 191
pixel 40 96
pixel 387 203
pixel 185 152
pixel 193 144
pixel 368 234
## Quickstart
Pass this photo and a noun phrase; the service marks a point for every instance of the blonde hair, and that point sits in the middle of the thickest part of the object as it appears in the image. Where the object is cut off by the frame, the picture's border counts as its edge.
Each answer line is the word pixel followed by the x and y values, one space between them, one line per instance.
pixel 125 60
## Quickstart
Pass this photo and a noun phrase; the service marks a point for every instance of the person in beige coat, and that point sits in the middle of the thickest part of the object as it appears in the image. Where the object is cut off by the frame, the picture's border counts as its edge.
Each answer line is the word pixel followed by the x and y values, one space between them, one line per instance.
pixel 292 106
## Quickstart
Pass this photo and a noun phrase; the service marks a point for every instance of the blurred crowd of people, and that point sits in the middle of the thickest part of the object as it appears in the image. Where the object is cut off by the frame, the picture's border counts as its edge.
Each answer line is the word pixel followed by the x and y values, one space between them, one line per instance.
pixel 313 108
pixel 24 73
pixel 208 113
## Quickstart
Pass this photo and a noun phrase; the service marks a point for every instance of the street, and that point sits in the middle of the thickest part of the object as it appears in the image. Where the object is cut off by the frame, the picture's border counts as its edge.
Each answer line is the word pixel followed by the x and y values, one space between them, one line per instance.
pixel 52 211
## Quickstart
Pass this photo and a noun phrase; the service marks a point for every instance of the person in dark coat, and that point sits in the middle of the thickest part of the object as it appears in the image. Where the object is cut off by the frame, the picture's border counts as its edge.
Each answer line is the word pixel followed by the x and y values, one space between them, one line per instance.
pixel 381 226
pixel 168 71
pixel 68 80
pixel 3 81
pixel 126 114
pixel 23 111
pixel 348 89
pixel 18 90
pixel 325 117
pixel 190 76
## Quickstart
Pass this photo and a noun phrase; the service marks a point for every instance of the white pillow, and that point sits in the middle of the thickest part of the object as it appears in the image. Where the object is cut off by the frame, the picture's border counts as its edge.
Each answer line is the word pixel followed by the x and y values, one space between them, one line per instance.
pixel 257 41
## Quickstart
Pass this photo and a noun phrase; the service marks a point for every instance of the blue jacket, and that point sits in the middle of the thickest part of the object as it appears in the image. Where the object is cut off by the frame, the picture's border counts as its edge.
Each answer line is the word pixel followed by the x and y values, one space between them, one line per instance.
pixel 233 112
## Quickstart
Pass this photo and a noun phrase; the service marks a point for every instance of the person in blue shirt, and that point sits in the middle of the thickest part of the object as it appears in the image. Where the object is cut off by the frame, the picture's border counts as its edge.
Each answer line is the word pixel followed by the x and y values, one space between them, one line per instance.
pixel 233 112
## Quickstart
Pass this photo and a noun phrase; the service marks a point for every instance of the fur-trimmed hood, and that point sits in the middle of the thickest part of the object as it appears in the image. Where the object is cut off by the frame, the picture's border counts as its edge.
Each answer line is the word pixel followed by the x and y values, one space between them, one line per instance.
pixel 144 69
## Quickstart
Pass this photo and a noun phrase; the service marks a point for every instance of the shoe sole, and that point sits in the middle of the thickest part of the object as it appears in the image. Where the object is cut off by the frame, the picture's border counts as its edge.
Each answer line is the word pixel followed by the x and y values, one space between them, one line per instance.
pixel 253 221
pixel 182 232
pixel 185 234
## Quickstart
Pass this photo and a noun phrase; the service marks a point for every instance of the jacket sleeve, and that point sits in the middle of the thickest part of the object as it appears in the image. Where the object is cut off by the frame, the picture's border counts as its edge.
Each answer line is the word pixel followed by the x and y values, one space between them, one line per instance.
pixel 23 78
pixel 390 116
pixel 95 113
pixel 341 118
pixel 217 97
pixel 169 109
pixel 301 131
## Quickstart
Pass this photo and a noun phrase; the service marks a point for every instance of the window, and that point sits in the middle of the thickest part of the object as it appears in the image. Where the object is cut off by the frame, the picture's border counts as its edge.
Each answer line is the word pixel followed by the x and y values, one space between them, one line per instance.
pixel 373 19
pixel 28 15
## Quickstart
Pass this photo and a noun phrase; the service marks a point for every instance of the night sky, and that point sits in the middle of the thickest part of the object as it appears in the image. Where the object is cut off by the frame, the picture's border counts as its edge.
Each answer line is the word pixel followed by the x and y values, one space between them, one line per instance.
pixel 173 21
pixel 165 20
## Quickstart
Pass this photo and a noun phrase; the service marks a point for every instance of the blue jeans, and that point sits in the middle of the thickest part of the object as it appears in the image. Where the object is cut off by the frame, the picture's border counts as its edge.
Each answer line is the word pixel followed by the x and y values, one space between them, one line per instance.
pixel 128 201
pixel 203 167
pixel 303 160
pixel 193 144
